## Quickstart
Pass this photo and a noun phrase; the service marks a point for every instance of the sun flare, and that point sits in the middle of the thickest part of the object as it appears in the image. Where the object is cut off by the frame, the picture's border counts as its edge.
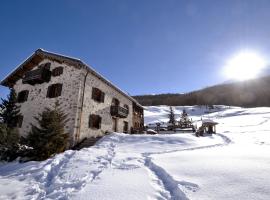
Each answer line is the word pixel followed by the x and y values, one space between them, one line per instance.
pixel 245 65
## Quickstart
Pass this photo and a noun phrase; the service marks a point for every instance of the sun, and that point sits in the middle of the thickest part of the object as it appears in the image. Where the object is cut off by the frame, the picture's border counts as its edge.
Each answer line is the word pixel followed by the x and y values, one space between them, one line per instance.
pixel 244 65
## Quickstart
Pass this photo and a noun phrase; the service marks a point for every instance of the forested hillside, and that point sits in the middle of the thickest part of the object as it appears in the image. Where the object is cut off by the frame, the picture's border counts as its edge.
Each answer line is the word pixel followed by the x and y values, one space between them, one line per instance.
pixel 250 93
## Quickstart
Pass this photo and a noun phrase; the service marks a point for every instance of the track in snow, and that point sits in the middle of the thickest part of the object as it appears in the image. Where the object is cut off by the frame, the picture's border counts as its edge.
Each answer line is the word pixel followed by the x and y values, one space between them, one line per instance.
pixel 167 182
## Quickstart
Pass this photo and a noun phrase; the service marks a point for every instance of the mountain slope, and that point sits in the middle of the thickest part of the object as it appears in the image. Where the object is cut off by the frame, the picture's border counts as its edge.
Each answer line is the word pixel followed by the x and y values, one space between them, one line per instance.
pixel 250 93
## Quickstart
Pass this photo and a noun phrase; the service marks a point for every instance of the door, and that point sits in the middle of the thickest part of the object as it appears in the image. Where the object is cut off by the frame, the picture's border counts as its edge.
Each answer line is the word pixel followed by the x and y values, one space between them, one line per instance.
pixel 114 124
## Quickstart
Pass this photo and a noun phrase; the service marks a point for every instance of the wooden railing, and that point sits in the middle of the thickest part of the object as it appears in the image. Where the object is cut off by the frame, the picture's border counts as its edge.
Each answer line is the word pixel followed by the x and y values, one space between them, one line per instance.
pixel 119 111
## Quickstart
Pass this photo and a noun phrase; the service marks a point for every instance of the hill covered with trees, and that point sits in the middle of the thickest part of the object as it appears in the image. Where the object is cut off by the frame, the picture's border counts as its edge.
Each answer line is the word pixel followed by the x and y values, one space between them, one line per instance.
pixel 251 93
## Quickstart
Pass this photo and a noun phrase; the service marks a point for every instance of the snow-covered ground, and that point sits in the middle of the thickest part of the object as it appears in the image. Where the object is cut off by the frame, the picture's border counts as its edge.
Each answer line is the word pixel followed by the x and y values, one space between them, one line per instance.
pixel 233 164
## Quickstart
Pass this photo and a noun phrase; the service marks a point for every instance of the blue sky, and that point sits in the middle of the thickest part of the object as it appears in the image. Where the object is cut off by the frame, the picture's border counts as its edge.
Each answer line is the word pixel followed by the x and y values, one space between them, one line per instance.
pixel 143 46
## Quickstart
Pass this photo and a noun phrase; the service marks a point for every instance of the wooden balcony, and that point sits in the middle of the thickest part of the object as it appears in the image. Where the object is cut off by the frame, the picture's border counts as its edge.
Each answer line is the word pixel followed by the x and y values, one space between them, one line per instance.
pixel 37 76
pixel 118 111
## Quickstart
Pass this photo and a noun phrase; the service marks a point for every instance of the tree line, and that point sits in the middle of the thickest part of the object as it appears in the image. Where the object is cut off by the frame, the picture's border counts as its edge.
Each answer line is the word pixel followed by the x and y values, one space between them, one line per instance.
pixel 251 93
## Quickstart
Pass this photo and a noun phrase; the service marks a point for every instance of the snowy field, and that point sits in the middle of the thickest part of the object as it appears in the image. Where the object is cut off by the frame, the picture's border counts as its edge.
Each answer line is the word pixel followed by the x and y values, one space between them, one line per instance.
pixel 233 164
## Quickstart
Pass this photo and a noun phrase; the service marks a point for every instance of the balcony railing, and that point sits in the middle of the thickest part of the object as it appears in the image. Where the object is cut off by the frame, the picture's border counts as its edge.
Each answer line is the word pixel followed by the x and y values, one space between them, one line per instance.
pixel 119 111
pixel 37 76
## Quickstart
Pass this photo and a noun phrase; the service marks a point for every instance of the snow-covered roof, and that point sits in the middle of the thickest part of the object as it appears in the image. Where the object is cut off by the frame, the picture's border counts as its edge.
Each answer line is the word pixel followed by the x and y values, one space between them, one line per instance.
pixel 40 54
pixel 208 121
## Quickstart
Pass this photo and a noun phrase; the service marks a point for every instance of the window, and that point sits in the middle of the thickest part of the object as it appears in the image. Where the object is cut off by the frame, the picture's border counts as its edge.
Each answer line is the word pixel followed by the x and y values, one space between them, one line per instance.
pixel 23 96
pixel 95 121
pixel 115 102
pixel 98 95
pixel 126 107
pixel 57 71
pixel 125 129
pixel 54 90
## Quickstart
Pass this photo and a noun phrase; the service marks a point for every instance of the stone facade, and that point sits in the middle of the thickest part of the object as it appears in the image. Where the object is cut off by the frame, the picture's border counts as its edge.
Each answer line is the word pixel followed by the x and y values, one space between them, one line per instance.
pixel 78 81
pixel 37 100
pixel 102 108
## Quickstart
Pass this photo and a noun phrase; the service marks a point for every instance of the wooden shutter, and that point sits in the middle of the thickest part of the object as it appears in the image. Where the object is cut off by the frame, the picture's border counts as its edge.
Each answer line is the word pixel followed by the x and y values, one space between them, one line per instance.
pixel 125 129
pixel 54 90
pixel 58 91
pixel 26 93
pixel 23 96
pixel 49 91
pixel 102 96
pixel 99 122
pixel 94 93
pixel 90 123
pixel 97 95
pixel 95 121
pixel 57 71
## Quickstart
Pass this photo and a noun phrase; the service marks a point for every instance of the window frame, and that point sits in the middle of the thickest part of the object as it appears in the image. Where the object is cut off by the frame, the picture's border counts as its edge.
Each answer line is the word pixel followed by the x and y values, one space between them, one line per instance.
pixel 58 71
pixel 94 121
pixel 98 95
pixel 54 90
pixel 23 96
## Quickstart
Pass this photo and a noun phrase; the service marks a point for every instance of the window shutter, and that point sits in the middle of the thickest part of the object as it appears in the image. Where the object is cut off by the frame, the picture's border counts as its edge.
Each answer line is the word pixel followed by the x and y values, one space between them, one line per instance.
pixel 94 93
pixel 99 122
pixel 102 96
pixel 90 124
pixel 49 91
pixel 26 95
pixel 58 90
pixel 57 71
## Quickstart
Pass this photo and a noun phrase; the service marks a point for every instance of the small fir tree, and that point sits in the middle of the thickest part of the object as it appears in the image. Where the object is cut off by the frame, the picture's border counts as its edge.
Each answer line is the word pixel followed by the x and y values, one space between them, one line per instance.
pixel 48 138
pixel 171 116
pixel 10 111
pixel 9 143
pixel 184 120
pixel 9 134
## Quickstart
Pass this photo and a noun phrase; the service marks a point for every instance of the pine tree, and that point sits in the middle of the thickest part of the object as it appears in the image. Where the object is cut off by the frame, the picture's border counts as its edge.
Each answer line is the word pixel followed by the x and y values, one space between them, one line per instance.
pixel 9 134
pixel 171 116
pixel 48 138
pixel 185 122
pixel 10 112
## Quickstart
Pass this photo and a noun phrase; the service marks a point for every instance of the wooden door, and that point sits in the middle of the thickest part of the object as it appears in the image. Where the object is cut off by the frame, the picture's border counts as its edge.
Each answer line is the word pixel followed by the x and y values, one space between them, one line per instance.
pixel 114 124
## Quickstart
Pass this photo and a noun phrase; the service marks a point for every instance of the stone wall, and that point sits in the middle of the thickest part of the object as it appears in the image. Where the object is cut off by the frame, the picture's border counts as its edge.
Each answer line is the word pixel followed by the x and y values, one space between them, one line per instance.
pixel 71 101
pixel 103 109
pixel 37 100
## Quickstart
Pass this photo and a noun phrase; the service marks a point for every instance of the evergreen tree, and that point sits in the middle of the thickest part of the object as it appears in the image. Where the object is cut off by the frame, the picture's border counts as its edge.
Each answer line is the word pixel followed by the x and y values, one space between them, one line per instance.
pixel 171 116
pixel 10 112
pixel 185 122
pixel 48 138
pixel 9 134
pixel 9 143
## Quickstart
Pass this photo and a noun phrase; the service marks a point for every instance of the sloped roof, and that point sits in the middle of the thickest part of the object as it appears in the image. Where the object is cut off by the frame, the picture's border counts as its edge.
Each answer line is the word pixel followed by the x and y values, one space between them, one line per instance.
pixel 209 122
pixel 41 54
